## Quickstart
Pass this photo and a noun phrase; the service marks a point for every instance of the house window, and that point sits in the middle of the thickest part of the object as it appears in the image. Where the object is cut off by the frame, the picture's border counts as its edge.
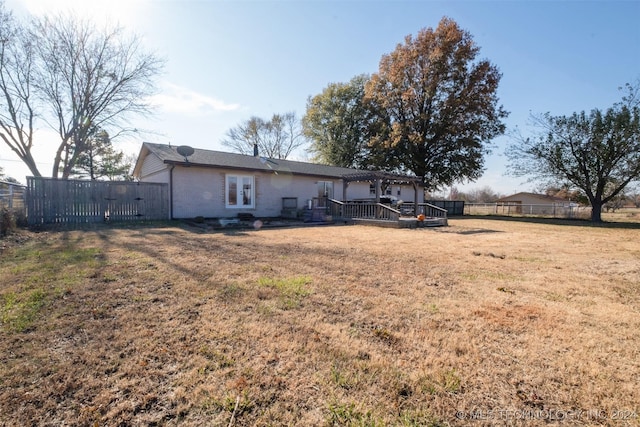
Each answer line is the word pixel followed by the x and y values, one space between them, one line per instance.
pixel 386 190
pixel 239 192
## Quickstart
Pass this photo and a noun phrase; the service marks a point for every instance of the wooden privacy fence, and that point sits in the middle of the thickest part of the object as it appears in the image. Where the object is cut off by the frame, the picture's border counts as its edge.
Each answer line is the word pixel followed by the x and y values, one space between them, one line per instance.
pixel 453 207
pixel 66 201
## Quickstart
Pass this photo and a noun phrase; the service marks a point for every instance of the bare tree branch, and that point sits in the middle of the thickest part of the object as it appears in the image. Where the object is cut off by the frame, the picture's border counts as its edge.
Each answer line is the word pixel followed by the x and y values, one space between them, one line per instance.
pixel 276 138
pixel 16 102
pixel 73 76
pixel 89 78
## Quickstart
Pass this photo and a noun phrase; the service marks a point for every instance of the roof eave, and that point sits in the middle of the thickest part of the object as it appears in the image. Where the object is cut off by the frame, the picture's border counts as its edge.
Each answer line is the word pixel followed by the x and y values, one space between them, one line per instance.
pixel 144 152
pixel 249 169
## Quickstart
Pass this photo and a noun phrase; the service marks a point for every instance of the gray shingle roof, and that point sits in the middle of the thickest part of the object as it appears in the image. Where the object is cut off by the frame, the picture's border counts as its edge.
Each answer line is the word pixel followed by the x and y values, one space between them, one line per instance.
pixel 209 158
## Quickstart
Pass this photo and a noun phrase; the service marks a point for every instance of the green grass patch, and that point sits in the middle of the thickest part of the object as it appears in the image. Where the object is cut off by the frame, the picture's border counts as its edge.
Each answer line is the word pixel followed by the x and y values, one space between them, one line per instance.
pixel 341 379
pixel 230 291
pixel 291 291
pixel 445 381
pixel 43 264
pixel 220 359
pixel 347 414
pixel 39 273
pixel 238 405
pixel 17 311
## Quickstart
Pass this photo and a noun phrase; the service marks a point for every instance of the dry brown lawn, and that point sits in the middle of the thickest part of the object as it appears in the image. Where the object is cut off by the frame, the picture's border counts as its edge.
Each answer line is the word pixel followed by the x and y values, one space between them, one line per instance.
pixel 484 322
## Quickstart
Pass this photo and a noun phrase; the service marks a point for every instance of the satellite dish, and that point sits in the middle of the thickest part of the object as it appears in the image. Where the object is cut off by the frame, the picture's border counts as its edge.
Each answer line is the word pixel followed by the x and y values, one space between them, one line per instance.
pixel 186 151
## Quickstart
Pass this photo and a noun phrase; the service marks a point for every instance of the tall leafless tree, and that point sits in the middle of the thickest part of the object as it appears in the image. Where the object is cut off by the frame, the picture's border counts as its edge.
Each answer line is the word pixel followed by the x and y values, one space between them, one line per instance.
pixel 74 76
pixel 89 78
pixel 276 138
pixel 17 112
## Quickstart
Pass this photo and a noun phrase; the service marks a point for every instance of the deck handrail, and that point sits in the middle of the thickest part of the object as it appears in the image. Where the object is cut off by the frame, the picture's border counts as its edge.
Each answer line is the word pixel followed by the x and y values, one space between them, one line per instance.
pixel 373 210
pixel 431 211
pixel 368 210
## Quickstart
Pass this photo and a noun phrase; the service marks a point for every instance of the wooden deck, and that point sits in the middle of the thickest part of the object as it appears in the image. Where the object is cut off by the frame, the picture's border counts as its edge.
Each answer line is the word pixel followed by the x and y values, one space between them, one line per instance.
pixel 385 216
pixel 402 222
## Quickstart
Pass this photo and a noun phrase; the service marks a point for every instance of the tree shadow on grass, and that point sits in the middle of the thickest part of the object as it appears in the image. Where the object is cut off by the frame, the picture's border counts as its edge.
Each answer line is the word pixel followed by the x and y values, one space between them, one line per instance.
pixel 477 231
pixel 554 221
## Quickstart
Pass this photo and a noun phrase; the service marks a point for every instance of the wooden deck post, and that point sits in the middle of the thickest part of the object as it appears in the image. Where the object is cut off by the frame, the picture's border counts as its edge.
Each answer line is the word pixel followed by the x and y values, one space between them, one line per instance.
pixel 378 191
pixel 415 198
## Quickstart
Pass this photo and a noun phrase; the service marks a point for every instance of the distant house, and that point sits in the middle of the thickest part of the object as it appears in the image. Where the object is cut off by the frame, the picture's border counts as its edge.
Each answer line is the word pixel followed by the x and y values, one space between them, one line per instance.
pixel 215 184
pixel 534 204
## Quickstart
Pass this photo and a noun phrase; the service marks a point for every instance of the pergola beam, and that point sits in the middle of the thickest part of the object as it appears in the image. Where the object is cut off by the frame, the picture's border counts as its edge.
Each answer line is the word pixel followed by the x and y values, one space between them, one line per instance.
pixel 389 177
pixel 378 177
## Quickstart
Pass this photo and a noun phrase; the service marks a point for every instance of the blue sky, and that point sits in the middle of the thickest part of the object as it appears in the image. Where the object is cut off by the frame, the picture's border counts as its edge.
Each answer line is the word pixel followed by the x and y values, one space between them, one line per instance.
pixel 230 60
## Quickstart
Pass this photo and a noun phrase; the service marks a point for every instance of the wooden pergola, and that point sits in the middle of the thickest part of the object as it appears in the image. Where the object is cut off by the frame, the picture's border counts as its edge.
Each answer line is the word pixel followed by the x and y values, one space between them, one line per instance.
pixel 380 177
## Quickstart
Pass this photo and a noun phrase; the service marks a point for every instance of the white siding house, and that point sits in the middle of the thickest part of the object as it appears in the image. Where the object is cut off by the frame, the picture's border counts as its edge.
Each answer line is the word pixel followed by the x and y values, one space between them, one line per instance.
pixel 535 204
pixel 215 184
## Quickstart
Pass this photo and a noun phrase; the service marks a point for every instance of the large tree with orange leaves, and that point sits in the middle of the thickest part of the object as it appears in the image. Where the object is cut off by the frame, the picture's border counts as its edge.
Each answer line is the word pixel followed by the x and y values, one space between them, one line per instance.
pixel 441 104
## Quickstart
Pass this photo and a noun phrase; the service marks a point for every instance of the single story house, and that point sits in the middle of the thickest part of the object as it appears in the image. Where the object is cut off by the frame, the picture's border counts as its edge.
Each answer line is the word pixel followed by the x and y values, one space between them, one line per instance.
pixel 216 184
pixel 534 204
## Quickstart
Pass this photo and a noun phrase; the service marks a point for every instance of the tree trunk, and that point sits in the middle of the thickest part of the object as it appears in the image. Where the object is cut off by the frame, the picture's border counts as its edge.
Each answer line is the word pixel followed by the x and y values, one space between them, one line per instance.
pixel 56 162
pixel 596 211
pixel 30 162
pixel 23 150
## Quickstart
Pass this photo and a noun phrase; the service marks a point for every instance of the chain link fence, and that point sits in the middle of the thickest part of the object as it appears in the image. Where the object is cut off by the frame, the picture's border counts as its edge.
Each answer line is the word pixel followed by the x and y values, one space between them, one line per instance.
pixel 13 209
pixel 522 210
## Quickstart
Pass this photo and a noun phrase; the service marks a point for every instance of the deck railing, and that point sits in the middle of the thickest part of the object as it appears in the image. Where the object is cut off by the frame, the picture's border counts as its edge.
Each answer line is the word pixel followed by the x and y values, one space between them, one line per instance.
pixel 431 211
pixel 363 210
pixel 372 210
